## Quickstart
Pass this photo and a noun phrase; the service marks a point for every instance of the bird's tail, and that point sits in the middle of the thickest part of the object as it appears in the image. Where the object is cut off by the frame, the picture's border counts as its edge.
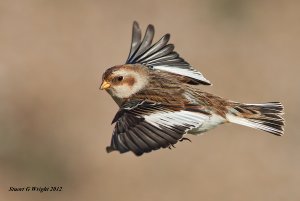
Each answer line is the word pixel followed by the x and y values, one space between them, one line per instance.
pixel 266 116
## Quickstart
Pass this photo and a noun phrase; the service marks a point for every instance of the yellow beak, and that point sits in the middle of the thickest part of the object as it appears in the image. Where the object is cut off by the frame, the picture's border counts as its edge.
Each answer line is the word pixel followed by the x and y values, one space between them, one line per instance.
pixel 104 85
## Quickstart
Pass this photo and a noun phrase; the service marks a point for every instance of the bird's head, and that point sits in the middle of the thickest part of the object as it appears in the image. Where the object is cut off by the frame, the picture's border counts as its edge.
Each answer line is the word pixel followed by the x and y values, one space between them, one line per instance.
pixel 124 80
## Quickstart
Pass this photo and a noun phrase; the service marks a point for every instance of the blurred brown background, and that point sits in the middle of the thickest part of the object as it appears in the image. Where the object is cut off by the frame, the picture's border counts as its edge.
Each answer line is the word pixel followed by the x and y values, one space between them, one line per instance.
pixel 55 123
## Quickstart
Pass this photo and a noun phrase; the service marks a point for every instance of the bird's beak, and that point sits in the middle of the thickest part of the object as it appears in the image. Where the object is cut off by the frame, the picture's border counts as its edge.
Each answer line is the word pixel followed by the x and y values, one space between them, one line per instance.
pixel 104 85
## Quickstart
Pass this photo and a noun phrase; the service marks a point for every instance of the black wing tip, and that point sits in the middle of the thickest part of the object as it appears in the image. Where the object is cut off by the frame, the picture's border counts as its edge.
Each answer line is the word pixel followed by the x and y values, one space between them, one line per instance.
pixel 110 149
pixel 207 83
pixel 150 27
pixel 167 36
pixel 136 27
pixel 135 23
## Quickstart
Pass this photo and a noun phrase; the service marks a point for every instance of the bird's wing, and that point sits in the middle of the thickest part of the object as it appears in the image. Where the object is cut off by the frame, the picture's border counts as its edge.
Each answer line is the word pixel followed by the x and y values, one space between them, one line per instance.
pixel 160 55
pixel 143 126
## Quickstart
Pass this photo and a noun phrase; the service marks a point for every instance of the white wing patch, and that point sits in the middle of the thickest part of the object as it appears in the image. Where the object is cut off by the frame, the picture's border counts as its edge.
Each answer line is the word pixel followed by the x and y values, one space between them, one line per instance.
pixel 173 119
pixel 183 71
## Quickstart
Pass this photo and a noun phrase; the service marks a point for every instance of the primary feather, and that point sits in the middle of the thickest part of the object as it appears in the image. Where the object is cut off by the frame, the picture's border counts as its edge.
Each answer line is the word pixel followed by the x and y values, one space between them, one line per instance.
pixel 160 56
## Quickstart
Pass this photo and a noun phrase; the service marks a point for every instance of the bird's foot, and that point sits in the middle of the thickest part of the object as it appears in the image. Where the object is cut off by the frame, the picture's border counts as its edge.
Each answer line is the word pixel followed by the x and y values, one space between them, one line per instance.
pixel 171 146
pixel 184 138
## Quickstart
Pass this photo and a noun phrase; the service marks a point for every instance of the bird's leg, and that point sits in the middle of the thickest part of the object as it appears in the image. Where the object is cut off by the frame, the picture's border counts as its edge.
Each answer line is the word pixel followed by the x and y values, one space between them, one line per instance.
pixel 184 138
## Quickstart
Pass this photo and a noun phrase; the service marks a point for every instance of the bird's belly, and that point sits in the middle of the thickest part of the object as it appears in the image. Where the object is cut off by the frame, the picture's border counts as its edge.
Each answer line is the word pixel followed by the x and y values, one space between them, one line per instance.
pixel 211 123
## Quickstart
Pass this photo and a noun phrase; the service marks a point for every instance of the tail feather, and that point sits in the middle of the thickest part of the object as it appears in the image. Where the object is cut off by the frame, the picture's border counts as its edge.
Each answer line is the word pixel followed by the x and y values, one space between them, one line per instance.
pixel 266 116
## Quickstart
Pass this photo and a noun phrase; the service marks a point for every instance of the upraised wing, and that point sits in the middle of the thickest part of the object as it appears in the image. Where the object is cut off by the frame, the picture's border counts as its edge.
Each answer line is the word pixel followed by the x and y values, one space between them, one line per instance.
pixel 161 55
pixel 143 126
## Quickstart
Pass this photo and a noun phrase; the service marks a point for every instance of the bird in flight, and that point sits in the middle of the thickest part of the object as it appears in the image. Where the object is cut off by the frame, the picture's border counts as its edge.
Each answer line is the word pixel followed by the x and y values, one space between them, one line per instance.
pixel 160 100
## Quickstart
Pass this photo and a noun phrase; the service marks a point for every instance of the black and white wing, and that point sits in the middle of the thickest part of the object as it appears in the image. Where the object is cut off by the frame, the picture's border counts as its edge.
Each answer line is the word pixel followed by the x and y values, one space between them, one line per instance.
pixel 143 126
pixel 161 55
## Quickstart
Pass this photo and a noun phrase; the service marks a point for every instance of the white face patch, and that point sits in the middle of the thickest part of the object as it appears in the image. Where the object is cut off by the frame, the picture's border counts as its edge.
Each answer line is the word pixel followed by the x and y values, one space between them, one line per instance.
pixel 124 90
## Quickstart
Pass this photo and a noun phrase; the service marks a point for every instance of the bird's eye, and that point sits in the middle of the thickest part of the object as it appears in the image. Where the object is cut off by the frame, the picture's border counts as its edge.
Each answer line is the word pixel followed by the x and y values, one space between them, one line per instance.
pixel 120 78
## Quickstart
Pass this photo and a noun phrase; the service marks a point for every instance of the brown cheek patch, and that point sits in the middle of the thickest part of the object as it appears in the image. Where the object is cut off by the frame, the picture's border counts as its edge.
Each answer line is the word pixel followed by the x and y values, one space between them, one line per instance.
pixel 129 81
